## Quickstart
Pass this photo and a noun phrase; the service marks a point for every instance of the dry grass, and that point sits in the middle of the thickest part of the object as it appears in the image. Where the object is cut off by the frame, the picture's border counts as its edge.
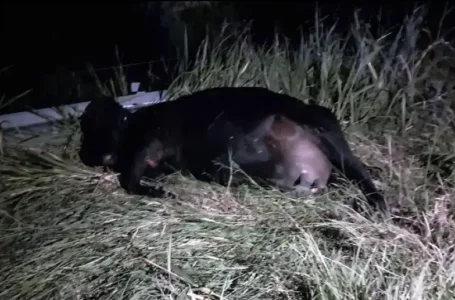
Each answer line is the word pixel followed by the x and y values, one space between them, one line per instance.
pixel 69 232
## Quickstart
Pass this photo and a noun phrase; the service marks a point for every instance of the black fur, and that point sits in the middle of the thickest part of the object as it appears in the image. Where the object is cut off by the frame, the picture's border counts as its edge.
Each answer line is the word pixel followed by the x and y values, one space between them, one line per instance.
pixel 103 125
pixel 203 123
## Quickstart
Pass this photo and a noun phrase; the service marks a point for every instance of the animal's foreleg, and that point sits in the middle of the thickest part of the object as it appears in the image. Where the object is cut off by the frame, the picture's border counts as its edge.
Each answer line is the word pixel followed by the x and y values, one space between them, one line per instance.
pixel 130 179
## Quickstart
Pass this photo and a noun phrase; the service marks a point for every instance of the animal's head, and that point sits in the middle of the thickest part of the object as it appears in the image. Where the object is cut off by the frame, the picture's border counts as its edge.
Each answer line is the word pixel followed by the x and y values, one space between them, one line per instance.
pixel 276 126
pixel 102 124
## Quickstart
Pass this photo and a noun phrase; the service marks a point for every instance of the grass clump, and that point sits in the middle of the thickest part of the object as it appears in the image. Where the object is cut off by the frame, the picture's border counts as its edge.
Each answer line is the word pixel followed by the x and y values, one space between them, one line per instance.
pixel 69 232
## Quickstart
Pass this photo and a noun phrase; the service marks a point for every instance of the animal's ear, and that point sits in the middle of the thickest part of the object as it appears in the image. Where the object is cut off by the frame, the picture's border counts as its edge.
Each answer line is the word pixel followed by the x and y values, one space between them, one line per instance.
pixel 264 126
pixel 284 120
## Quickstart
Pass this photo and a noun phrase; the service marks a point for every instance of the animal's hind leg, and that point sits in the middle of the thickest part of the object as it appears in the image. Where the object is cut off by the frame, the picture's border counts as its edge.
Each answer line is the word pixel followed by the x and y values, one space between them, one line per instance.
pixel 342 158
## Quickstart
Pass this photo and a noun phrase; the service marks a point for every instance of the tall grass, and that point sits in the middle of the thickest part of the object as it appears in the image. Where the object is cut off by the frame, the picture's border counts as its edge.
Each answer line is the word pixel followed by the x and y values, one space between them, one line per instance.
pixel 361 76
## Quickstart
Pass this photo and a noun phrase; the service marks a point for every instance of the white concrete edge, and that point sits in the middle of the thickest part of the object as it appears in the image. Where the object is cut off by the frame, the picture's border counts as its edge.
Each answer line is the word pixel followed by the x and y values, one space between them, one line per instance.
pixel 46 115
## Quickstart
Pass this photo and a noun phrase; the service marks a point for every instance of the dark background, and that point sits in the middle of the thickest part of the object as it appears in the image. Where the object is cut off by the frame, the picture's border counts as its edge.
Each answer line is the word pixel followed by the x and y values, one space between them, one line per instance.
pixel 39 40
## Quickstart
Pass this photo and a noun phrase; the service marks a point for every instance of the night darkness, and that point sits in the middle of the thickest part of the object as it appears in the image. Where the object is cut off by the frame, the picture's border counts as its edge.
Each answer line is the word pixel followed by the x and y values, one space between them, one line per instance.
pixel 42 40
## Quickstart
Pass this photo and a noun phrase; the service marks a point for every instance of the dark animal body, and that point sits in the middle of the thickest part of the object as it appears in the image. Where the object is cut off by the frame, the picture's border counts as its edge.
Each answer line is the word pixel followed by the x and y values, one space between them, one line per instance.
pixel 200 128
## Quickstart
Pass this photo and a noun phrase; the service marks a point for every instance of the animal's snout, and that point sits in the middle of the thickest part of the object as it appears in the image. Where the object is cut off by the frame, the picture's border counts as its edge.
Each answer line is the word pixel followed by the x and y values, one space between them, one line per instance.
pixel 301 185
pixel 316 190
pixel 108 159
pixel 306 186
